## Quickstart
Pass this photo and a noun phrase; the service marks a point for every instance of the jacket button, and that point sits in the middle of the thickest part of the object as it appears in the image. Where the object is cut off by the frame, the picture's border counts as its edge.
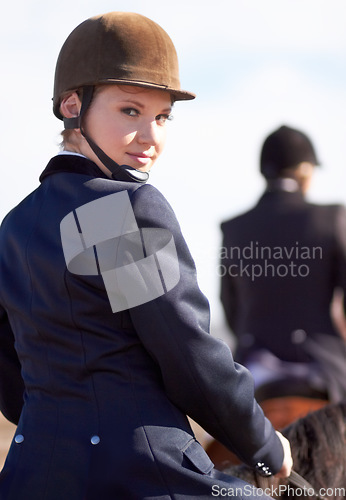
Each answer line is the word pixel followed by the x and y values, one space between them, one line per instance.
pixel 95 440
pixel 263 470
pixel 298 336
pixel 19 438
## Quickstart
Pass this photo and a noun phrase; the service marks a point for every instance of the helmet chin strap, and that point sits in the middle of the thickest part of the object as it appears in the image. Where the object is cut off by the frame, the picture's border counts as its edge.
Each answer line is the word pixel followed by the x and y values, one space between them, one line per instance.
pixel 119 172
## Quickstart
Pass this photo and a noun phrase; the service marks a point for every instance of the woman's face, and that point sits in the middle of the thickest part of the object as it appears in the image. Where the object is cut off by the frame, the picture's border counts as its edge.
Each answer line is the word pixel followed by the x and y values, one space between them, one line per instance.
pixel 129 124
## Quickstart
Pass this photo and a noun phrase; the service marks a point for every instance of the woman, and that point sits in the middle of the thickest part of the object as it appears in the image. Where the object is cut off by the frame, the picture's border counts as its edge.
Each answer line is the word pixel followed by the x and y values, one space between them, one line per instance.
pixel 99 297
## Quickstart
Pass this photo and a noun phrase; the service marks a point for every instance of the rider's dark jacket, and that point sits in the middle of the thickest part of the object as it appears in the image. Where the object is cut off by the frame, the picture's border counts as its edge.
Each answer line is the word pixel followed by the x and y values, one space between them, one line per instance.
pixel 106 393
pixel 282 262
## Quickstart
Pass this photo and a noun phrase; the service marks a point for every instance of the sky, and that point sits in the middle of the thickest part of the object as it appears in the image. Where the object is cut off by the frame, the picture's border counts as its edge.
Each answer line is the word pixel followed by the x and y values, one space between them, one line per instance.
pixel 254 66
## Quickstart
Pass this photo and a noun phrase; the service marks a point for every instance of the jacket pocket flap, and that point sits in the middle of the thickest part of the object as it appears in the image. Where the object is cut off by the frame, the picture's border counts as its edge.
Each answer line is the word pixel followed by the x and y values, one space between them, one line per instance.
pixel 198 457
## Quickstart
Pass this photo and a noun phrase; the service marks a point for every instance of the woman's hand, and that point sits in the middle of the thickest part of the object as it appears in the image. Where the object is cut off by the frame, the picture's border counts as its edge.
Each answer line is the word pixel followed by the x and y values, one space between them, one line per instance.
pixel 287 463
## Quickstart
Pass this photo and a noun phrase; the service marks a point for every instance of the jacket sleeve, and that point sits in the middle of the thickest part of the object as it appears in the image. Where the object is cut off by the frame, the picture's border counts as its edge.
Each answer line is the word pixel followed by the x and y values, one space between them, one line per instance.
pixel 198 371
pixel 11 382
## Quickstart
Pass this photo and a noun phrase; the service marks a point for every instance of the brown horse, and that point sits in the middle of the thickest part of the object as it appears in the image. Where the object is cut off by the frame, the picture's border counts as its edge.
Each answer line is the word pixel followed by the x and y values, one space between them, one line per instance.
pixel 318 443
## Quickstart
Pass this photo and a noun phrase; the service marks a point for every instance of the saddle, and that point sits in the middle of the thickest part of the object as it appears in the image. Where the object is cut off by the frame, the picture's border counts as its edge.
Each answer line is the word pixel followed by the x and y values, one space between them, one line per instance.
pixel 288 399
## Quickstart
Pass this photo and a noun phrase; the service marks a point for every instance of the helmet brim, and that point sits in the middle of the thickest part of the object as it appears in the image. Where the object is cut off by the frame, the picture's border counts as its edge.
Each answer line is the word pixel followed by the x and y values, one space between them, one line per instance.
pixel 179 95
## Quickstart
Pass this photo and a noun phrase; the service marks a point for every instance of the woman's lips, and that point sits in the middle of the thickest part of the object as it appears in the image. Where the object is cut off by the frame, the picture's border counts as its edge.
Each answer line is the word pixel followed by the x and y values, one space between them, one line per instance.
pixel 141 158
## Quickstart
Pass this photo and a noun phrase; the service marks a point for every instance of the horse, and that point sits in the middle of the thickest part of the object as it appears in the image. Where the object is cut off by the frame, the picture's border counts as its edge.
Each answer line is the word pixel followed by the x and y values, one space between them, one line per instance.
pixel 318 445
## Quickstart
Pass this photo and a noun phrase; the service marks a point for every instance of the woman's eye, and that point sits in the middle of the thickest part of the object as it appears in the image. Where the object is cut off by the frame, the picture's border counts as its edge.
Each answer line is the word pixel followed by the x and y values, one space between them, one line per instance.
pixel 130 111
pixel 163 118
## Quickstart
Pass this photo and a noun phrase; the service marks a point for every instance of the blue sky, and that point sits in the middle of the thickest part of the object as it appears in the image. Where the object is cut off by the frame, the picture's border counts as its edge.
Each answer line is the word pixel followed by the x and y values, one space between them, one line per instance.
pixel 254 65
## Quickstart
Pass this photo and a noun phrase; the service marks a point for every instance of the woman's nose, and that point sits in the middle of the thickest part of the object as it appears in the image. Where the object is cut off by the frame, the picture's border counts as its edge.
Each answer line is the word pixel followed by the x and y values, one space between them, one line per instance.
pixel 149 133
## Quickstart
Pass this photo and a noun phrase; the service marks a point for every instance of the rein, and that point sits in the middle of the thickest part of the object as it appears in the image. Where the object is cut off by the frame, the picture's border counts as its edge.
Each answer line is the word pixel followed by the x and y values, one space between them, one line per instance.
pixel 297 480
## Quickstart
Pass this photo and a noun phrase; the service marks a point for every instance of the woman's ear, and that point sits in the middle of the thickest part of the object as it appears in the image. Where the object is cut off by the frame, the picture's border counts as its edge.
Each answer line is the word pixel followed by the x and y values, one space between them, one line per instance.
pixel 70 106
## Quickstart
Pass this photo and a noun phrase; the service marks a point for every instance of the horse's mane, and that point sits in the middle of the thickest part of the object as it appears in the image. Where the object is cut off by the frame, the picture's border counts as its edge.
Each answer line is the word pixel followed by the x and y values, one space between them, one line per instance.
pixel 318 444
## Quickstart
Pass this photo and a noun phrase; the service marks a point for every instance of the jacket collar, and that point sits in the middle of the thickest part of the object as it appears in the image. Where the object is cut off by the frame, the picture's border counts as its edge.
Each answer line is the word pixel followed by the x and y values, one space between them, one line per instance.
pixel 72 164
pixel 283 185
pixel 278 194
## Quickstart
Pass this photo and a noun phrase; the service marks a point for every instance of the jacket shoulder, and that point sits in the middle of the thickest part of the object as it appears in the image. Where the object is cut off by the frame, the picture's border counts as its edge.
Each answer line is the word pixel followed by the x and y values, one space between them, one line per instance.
pixel 332 208
pixel 239 219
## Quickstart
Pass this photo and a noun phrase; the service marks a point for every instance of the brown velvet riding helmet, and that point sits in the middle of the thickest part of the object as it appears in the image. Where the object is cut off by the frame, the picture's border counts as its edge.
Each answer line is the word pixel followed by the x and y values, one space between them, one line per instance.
pixel 121 48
